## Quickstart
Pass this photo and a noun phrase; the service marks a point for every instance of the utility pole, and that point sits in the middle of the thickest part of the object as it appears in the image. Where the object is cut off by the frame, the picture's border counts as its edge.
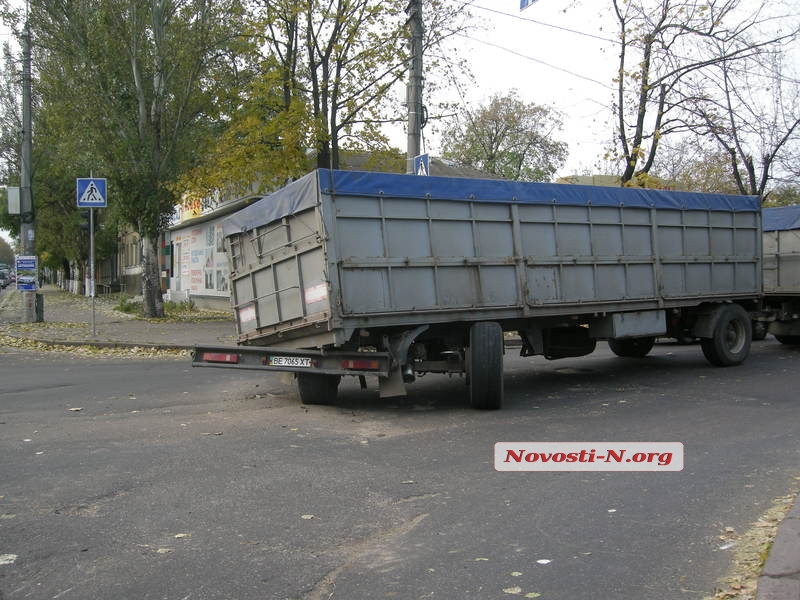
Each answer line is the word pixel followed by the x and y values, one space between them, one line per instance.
pixel 27 225
pixel 414 85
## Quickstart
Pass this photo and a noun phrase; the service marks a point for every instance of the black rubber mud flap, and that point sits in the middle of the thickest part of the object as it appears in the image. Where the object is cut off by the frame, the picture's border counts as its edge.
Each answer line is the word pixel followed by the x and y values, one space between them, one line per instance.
pixel 316 388
pixel 632 347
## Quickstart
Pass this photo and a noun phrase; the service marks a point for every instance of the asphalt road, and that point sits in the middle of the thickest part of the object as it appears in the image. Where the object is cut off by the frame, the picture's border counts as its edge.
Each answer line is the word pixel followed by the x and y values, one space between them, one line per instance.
pixel 144 478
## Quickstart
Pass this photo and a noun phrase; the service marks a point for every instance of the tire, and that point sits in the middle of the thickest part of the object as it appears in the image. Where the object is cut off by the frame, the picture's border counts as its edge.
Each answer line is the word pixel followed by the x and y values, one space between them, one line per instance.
pixel 759 331
pixel 315 388
pixel 730 342
pixel 789 340
pixel 485 366
pixel 632 347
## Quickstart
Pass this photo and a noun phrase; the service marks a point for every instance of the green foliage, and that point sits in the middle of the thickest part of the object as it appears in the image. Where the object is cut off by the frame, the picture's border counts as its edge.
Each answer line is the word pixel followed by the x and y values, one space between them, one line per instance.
pixel 783 195
pixel 693 166
pixel 6 253
pixel 342 60
pixel 184 306
pixel 174 98
pixel 261 148
pixel 128 305
pixel 508 137
pixel 132 86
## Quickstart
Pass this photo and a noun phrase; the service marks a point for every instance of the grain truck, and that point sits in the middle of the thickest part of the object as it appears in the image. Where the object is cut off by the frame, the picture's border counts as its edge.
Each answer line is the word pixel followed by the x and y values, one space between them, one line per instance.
pixel 392 276
pixel 781 274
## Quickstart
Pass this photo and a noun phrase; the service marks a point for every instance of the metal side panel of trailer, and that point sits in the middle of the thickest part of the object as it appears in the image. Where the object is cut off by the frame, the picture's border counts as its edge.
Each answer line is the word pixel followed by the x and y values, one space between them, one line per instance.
pixel 337 251
pixel 782 250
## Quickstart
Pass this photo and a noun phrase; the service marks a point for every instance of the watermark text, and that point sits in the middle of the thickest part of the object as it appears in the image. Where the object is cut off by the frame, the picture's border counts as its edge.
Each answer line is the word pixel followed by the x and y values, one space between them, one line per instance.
pixel 588 456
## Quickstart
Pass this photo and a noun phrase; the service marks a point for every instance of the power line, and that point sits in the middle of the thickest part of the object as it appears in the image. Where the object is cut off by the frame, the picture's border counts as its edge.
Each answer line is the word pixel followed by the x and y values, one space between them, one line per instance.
pixel 536 60
pixel 543 24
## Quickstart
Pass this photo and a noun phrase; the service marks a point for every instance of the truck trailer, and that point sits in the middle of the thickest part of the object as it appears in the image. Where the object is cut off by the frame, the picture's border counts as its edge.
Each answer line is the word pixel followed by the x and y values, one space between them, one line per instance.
pixel 360 274
pixel 781 273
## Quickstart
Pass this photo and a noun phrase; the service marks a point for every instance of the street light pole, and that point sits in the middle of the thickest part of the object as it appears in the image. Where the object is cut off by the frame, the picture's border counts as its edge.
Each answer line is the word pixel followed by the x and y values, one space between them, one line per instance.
pixel 27 225
pixel 414 85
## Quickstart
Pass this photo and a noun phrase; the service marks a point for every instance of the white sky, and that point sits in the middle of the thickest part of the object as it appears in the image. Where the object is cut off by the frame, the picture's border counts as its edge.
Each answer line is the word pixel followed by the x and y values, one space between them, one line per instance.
pixel 553 58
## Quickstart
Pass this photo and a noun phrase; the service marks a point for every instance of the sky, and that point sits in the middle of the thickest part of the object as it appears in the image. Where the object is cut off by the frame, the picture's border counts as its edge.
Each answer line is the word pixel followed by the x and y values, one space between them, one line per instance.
pixel 556 58
pixel 552 57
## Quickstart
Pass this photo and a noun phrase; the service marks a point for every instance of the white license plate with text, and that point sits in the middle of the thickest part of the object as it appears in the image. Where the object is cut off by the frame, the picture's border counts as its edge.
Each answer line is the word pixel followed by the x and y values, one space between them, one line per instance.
pixel 289 361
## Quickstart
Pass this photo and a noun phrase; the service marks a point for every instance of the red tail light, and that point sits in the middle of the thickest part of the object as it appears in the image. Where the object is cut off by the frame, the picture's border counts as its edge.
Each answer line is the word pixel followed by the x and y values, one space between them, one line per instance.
pixel 220 357
pixel 361 364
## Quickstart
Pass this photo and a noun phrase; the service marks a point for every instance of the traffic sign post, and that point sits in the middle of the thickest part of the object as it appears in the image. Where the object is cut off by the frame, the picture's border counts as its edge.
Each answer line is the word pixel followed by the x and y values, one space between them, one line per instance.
pixel 91 194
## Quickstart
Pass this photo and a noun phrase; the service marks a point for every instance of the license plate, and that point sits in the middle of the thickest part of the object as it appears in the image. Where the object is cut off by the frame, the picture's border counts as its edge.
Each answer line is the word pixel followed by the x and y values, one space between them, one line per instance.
pixel 289 361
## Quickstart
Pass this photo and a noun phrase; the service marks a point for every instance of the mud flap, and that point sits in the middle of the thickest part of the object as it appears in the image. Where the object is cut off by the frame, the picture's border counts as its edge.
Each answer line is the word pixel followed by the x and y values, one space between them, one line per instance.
pixel 393 385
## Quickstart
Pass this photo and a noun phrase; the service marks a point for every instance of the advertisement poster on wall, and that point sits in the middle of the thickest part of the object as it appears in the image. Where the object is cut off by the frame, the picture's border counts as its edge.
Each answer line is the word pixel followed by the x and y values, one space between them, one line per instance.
pixel 203 268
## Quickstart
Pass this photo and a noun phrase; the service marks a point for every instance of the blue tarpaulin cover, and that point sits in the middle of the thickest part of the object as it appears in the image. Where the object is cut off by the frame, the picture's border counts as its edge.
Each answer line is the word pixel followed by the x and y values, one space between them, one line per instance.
pixel 304 193
pixel 781 218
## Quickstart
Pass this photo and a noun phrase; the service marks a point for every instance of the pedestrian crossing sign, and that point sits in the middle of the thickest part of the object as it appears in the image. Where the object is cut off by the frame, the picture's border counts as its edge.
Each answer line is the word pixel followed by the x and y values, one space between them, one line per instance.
pixel 91 192
pixel 422 164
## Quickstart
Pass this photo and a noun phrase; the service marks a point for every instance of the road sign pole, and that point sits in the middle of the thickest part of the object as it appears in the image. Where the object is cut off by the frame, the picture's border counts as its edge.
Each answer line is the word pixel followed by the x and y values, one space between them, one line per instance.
pixel 27 227
pixel 91 265
pixel 91 194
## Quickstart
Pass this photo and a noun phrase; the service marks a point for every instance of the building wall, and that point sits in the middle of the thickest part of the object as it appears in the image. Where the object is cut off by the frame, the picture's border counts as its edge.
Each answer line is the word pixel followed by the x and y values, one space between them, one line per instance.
pixel 130 263
pixel 200 265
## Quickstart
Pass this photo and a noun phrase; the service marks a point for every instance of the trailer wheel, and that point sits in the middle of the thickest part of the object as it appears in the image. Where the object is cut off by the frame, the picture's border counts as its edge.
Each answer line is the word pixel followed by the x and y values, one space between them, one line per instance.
pixel 789 340
pixel 485 366
pixel 730 342
pixel 632 347
pixel 316 388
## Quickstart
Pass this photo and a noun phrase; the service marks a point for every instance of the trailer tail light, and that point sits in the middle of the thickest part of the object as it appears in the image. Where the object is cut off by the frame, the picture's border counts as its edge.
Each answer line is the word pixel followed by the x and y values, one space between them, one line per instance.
pixel 361 364
pixel 220 357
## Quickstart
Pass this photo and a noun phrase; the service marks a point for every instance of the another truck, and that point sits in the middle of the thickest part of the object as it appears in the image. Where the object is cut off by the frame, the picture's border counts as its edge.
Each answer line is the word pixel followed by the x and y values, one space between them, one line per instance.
pixel 781 251
pixel 360 274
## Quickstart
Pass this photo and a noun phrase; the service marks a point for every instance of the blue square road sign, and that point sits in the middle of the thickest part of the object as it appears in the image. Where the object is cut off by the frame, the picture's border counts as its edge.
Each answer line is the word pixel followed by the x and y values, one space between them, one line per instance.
pixel 91 192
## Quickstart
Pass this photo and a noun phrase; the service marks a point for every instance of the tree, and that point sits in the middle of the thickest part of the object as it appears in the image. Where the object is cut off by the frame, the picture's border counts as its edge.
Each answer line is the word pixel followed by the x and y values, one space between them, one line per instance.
pixel 261 147
pixel 664 47
pixel 508 137
pixel 6 253
pixel 783 195
pixel 695 164
pixel 138 79
pixel 344 58
pixel 753 114
pixel 325 82
pixel 10 138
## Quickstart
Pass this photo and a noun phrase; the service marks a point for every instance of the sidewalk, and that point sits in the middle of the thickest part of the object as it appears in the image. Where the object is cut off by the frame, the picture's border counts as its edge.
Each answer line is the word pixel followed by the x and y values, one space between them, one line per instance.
pixel 68 317
pixel 780 578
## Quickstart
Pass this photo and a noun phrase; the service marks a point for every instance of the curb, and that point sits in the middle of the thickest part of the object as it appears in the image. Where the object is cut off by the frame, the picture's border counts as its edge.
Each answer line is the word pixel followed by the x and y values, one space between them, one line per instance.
pixel 780 577
pixel 102 344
